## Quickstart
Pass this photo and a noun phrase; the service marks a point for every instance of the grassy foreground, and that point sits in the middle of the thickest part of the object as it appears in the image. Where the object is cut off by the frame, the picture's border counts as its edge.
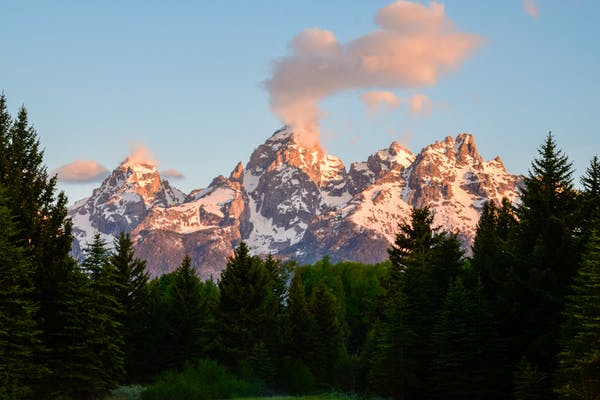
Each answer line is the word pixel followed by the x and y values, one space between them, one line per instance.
pixel 329 396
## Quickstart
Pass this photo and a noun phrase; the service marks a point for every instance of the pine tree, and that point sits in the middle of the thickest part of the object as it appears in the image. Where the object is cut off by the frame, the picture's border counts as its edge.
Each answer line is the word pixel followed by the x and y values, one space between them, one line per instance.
pixel 529 382
pixel 20 342
pixel 326 336
pixel 131 293
pixel 77 368
pixel 186 313
pixel 590 208
pixel 415 238
pixel 547 253
pixel 492 264
pixel 42 227
pixel 5 124
pixel 300 321
pixel 247 306
pixel 424 262
pixel 465 348
pixel 392 370
pixel 96 258
pixel 578 375
pixel 107 339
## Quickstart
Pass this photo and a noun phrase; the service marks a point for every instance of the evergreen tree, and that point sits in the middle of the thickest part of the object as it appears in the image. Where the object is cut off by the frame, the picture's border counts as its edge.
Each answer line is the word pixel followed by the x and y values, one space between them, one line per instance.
pixel 77 368
pixel 463 342
pixel 392 371
pixel 492 264
pixel 275 341
pixel 186 313
pixel 41 226
pixel 107 339
pixel 492 253
pixel 300 321
pixel 247 306
pixel 424 262
pixel 547 253
pixel 96 258
pixel 131 293
pixel 414 239
pixel 326 336
pixel 20 343
pixel 156 342
pixel 578 375
pixel 5 124
pixel 590 204
pixel 529 383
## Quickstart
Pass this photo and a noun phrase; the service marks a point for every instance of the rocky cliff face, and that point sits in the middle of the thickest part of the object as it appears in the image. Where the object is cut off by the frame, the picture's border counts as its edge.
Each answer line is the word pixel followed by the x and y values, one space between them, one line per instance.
pixel 295 201
pixel 121 203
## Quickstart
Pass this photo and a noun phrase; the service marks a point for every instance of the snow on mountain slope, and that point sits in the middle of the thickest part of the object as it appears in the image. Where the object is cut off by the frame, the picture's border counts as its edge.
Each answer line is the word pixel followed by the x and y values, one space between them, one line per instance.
pixel 450 177
pixel 295 201
pixel 288 184
pixel 120 203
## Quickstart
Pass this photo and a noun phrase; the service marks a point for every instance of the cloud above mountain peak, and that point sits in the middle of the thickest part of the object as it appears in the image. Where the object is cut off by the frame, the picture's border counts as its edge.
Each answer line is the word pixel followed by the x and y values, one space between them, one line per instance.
pixel 413 46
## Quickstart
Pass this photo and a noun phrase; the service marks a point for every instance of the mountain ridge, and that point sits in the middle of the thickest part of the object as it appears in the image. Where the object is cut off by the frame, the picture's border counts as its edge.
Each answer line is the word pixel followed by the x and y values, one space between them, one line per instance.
pixel 294 201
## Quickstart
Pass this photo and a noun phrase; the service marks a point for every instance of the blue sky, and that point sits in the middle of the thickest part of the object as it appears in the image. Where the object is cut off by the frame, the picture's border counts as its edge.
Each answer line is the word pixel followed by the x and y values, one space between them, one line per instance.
pixel 187 80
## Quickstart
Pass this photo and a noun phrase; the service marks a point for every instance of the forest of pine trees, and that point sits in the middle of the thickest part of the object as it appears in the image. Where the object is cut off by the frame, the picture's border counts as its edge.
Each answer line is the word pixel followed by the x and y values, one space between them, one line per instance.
pixel 519 319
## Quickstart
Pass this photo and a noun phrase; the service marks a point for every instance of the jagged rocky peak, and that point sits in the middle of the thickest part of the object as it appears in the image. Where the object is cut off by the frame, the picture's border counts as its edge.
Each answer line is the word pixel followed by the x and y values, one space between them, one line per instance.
pixel 395 158
pixel 451 152
pixel 133 177
pixel 466 150
pixel 142 177
pixel 237 175
pixel 397 154
pixel 287 149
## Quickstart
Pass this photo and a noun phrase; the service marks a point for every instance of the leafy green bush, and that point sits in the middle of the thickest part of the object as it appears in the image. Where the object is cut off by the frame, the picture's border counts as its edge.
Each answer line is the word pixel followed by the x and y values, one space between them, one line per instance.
pixel 204 379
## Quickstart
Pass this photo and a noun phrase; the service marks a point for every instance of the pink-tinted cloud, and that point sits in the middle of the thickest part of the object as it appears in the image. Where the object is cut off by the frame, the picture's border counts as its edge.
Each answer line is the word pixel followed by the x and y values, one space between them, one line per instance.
pixel 172 173
pixel 421 104
pixel 140 154
pixel 414 46
pixel 377 101
pixel 82 171
pixel 531 8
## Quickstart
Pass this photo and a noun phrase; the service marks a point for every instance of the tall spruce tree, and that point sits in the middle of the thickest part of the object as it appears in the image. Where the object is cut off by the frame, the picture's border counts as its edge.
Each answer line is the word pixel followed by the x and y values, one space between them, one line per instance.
pixel 578 375
pixel 41 225
pixel 77 368
pixel 247 308
pixel 186 314
pixel 424 262
pixel 300 321
pixel 326 337
pixel 107 340
pixel 465 347
pixel 546 255
pixel 590 204
pixel 131 293
pixel 393 369
pixel 493 264
pixel 20 341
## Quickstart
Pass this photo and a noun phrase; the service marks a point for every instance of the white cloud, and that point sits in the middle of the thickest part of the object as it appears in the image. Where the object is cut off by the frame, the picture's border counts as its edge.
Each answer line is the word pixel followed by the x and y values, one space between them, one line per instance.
pixel 172 173
pixel 531 8
pixel 82 171
pixel 378 101
pixel 413 47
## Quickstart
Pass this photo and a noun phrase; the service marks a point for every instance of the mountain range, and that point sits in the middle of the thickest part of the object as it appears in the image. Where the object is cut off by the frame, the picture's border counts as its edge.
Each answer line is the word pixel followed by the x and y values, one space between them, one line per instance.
pixel 293 201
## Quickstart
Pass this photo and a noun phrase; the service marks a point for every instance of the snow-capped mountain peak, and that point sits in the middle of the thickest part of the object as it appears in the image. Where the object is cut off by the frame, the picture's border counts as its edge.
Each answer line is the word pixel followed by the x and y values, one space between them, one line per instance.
pixel 294 200
pixel 121 202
